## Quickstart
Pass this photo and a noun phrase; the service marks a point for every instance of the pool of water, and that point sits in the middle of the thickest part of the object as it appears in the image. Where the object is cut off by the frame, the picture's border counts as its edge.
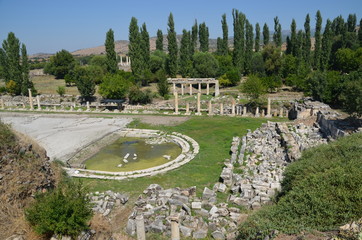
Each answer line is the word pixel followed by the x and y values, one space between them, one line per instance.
pixel 141 155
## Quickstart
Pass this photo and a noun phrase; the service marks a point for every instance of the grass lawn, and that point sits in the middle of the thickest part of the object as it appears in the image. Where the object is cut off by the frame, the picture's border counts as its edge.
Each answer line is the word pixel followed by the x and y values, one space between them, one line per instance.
pixel 48 85
pixel 214 135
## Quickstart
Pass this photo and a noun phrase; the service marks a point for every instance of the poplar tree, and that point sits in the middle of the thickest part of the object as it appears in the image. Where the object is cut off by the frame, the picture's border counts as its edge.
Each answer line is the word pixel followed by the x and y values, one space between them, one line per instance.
pixel 326 45
pixel 317 36
pixel 225 36
pixel 26 83
pixel 249 42
pixel 134 48
pixel 360 33
pixel 159 40
pixel 172 47
pixel 145 47
pixel 299 46
pixel 111 55
pixel 204 37
pixel 239 48
pixel 257 37
pixel 185 60
pixel 219 46
pixel 293 38
pixel 351 22
pixel 265 34
pixel 307 41
pixel 277 36
pixel 194 37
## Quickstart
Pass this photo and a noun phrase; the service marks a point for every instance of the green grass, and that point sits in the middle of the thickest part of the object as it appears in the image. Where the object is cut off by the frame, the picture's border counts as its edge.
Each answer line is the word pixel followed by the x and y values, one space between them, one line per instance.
pixel 214 135
pixel 321 191
pixel 48 85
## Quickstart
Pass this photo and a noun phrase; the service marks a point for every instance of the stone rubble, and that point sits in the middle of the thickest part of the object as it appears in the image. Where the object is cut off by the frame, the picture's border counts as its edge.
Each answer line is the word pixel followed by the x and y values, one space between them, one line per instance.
pixel 104 202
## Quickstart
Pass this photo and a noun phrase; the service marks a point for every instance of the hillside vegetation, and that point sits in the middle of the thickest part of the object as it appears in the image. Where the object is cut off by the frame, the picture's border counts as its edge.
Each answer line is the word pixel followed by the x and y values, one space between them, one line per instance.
pixel 320 191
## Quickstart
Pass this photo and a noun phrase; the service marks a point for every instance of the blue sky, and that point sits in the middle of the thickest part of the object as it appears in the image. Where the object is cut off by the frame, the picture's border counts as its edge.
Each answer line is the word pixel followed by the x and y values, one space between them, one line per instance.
pixel 51 25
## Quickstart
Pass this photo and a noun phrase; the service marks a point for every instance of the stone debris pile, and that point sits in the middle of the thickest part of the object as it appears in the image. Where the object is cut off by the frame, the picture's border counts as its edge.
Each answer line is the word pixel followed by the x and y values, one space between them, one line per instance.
pixel 104 202
pixel 255 170
pixel 197 216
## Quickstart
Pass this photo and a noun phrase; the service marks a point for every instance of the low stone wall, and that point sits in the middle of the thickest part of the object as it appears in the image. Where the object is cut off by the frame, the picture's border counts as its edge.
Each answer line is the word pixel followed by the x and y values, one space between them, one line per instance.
pixel 328 126
pixel 190 148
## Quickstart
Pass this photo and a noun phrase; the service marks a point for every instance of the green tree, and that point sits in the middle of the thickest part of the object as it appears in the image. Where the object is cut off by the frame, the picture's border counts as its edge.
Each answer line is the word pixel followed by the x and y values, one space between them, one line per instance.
pixel 60 64
pixel 99 60
pixel 111 55
pixel 360 33
pixel 159 40
pixel 292 46
pixel 317 36
pixel 185 61
pixel 134 48
pixel 158 61
pixel 163 87
pixel 26 82
pixel 257 64
pixel 348 60
pixel 204 37
pixel 137 96
pixel 249 43
pixel 272 59
pixel 351 22
pixel 84 81
pixel 351 95
pixel 116 86
pixel 205 65
pixel 325 86
pixel 257 37
pixel 326 45
pixel 194 38
pixel 277 36
pixel 145 47
pixel 265 34
pixel 63 211
pixel 225 36
pixel 172 47
pixel 239 40
pixel 307 42
pixel 253 87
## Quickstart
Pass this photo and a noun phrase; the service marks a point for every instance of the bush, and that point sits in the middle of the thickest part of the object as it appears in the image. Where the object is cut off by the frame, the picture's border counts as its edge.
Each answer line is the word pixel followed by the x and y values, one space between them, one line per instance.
pixel 61 90
pixel 253 87
pixel 351 95
pixel 162 84
pixel 320 191
pixel 116 86
pixel 205 65
pixel 11 87
pixel 63 211
pixel 137 96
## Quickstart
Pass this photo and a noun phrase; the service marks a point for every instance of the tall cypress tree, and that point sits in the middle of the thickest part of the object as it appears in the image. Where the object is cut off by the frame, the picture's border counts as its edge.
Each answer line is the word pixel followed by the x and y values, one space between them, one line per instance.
pixel 219 46
pixel 307 42
pixel 360 33
pixel 239 48
pixel 145 46
pixel 204 37
pixel 265 34
pixel 159 40
pixel 26 83
pixel 317 36
pixel 225 36
pixel 299 46
pixel 249 42
pixel 277 36
pixel 111 55
pixel 134 48
pixel 185 60
pixel 326 45
pixel 293 38
pixel 12 68
pixel 257 37
pixel 194 37
pixel 351 22
pixel 172 47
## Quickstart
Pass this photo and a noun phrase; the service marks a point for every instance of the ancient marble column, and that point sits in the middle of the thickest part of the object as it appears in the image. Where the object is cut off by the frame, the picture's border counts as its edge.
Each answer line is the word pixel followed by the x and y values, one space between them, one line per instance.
pixel 38 102
pixel 207 88
pixel 175 230
pixel 2 103
pixel 140 228
pixel 281 112
pixel 71 108
pixel 190 89
pixel 262 113
pixel 221 109
pixel 198 103
pixel 182 89
pixel 199 87
pixel 233 107
pixel 174 87
pixel 121 61
pixel 176 102
pixel 244 111
pixel 210 108
pixel 187 108
pixel 217 91
pixel 257 112
pixel 30 99
pixel 269 108
pixel 88 108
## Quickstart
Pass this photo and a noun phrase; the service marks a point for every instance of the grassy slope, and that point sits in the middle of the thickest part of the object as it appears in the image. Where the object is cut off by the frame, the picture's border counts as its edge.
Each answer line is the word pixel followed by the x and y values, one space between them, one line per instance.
pixel 48 85
pixel 321 191
pixel 214 135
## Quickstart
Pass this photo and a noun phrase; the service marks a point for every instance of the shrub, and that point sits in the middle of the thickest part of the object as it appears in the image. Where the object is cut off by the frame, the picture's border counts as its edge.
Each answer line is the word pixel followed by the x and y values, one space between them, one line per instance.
pixel 162 84
pixel 116 86
pixel 320 191
pixel 11 87
pixel 63 211
pixel 137 96
pixel 253 87
pixel 61 90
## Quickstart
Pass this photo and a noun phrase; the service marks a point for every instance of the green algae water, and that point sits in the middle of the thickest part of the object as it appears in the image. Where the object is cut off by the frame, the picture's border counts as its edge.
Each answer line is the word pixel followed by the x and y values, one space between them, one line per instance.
pixel 140 155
